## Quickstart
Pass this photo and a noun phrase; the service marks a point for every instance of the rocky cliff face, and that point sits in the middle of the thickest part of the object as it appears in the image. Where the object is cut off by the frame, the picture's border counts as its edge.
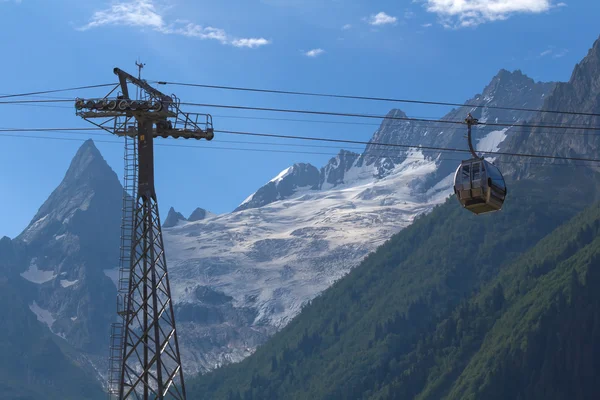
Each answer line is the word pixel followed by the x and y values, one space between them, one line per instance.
pixel 35 363
pixel 70 242
pixel 61 257
pixel 580 94
pixel 334 172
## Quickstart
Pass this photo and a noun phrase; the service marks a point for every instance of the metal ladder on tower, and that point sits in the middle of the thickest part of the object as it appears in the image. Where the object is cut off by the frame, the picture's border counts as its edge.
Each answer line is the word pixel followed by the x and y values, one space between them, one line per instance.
pixel 130 177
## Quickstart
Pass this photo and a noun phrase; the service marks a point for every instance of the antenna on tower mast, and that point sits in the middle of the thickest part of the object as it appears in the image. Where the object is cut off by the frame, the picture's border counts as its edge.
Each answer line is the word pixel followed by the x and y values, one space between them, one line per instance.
pixel 140 66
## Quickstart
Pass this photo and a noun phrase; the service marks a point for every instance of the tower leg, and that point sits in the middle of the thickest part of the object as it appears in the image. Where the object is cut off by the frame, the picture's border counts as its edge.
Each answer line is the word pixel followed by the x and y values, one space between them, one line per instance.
pixel 151 363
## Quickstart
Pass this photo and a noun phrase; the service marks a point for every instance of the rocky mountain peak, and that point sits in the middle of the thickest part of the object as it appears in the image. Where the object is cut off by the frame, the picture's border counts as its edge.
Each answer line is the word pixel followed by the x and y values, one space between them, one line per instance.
pixel 68 247
pixel 589 63
pixel 393 116
pixel 513 88
pixel 198 215
pixel 334 172
pixel 393 130
pixel 580 94
pixel 88 179
pixel 173 218
pixel 87 160
pixel 504 81
pixel 285 184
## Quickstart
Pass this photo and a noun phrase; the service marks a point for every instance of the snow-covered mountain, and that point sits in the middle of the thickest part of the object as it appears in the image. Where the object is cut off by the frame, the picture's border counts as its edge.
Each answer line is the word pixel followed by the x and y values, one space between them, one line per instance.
pixel 174 217
pixel 270 260
pixel 237 278
pixel 307 227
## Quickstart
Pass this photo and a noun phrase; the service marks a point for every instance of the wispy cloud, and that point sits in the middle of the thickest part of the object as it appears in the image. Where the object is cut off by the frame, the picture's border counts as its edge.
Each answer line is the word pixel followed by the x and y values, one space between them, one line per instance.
pixel 346 27
pixel 314 52
pixel 190 29
pixel 381 19
pixel 144 13
pixel 470 13
pixel 560 53
pixel 427 25
pixel 554 53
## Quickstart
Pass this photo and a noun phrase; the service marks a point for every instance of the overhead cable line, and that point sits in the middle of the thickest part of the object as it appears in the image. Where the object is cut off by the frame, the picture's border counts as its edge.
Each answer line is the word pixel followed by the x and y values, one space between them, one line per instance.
pixel 321 139
pixel 355 115
pixel 376 154
pixel 406 146
pixel 86 131
pixel 98 132
pixel 339 114
pixel 421 124
pixel 56 90
pixel 37 101
pixel 428 122
pixel 417 120
pixel 313 94
pixel 394 100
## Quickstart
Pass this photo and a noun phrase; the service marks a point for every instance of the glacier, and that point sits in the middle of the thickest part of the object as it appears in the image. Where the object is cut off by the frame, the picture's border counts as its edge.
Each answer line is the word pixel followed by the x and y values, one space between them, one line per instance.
pixel 277 257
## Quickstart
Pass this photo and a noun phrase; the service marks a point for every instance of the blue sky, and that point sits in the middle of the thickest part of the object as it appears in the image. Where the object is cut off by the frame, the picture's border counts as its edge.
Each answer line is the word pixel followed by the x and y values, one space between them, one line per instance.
pixel 444 50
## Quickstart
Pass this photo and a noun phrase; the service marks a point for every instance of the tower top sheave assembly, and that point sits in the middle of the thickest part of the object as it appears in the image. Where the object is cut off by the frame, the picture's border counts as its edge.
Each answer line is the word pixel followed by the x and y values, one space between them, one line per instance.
pixel 153 105
pixel 145 361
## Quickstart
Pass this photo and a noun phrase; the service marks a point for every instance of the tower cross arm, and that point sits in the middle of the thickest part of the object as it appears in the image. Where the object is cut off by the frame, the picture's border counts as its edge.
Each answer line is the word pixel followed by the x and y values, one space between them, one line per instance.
pixel 124 77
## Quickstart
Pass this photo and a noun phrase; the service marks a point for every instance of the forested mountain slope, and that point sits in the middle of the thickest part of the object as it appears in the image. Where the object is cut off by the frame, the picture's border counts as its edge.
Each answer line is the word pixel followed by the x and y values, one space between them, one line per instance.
pixel 533 332
pixel 405 324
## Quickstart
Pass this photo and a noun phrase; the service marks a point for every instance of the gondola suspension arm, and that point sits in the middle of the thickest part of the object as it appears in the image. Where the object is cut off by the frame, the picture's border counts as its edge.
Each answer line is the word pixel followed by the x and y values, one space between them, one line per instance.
pixel 470 122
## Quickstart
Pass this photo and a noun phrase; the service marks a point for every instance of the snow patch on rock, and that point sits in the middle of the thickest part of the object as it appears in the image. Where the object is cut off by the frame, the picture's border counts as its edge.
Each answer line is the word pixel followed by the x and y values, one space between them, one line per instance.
pixel 35 275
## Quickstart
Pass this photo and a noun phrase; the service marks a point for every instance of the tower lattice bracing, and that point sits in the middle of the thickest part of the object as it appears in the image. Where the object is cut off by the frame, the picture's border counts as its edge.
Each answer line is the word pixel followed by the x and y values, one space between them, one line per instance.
pixel 145 358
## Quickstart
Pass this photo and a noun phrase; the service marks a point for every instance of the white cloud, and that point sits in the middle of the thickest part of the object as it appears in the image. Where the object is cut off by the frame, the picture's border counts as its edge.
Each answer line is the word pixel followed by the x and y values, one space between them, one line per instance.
pixel 144 13
pixel 409 14
pixel 545 53
pixel 427 25
pixel 135 13
pixel 314 52
pixel 346 27
pixel 381 19
pixel 250 42
pixel 468 13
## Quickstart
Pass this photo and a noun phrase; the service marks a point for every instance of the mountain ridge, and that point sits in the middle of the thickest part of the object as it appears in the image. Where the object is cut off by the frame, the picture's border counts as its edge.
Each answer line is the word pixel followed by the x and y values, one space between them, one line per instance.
pixel 263 263
pixel 406 294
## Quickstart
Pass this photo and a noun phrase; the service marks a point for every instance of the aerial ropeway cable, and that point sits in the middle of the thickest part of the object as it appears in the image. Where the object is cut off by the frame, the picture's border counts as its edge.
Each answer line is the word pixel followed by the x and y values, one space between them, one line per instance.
pixel 371 98
pixel 331 140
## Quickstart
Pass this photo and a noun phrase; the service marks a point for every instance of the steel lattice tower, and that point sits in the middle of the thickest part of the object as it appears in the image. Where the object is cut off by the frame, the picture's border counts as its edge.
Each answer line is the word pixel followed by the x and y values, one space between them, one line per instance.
pixel 148 358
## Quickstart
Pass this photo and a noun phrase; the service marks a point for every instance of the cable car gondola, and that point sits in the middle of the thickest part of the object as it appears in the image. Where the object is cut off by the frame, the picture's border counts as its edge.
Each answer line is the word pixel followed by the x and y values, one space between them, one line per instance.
pixel 478 184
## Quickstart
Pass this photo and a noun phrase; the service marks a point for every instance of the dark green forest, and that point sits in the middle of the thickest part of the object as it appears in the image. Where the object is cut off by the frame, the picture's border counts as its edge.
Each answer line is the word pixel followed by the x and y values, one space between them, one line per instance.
pixel 455 306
